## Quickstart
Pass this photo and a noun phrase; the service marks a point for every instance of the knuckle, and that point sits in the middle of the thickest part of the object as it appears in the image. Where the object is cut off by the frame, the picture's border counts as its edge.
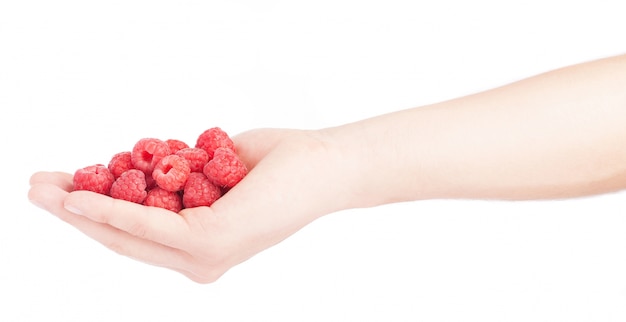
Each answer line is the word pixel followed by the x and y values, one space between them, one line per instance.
pixel 138 229
pixel 208 276
pixel 208 269
pixel 118 248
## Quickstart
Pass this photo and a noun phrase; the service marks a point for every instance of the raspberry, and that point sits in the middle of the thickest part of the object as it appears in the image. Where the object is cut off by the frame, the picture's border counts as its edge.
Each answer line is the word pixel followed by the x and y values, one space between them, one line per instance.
pixel 120 163
pixel 150 183
pixel 176 145
pixel 130 186
pixel 212 139
pixel 197 158
pixel 225 169
pixel 171 172
pixel 162 198
pixel 168 174
pixel 96 178
pixel 147 153
pixel 199 191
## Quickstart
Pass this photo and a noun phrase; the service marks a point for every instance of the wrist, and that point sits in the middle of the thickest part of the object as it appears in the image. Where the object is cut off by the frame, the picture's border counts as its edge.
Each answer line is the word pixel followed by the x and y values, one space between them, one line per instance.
pixel 373 162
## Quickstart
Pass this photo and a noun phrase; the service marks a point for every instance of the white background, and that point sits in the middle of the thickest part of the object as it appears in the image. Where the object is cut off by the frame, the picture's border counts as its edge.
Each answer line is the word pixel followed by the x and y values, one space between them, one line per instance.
pixel 82 80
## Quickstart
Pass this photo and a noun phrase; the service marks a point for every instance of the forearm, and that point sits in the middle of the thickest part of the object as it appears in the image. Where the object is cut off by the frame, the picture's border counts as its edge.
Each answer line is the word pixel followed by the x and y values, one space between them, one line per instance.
pixel 559 134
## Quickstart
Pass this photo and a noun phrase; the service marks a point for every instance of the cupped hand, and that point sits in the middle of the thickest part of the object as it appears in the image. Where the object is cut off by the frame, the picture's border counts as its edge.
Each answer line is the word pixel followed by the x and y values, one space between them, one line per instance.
pixel 294 178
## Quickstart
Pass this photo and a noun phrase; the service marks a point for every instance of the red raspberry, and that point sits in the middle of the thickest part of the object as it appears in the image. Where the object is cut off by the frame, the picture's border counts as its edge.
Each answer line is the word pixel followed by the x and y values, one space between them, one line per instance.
pixel 162 198
pixel 176 145
pixel 130 186
pixel 120 163
pixel 212 139
pixel 147 153
pixel 199 191
pixel 96 178
pixel 150 183
pixel 197 158
pixel 171 172
pixel 225 169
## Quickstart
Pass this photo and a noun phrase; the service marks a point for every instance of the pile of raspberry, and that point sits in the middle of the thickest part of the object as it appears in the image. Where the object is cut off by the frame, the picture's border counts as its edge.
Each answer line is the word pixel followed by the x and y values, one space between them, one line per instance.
pixel 168 174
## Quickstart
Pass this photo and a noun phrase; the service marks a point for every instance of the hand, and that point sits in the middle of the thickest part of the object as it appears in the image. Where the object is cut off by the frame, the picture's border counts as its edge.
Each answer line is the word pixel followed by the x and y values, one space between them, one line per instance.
pixel 288 186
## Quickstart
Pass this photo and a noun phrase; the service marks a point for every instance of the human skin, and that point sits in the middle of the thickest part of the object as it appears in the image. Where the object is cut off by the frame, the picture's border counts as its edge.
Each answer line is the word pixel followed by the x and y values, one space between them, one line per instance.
pixel 560 134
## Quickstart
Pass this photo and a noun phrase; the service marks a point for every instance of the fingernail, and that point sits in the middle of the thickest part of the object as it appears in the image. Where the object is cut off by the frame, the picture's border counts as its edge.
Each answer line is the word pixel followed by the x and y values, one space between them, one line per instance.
pixel 36 203
pixel 73 209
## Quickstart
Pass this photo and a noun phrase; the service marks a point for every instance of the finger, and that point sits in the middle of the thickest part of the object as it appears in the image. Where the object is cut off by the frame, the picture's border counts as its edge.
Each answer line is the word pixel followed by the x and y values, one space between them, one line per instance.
pixel 151 223
pixel 61 179
pixel 50 188
pixel 51 198
pixel 199 278
pixel 145 222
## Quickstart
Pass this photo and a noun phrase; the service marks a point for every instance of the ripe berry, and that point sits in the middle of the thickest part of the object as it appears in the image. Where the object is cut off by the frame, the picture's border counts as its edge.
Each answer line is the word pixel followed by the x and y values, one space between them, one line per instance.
pixel 130 186
pixel 120 163
pixel 162 198
pixel 168 174
pixel 197 158
pixel 199 191
pixel 176 145
pixel 225 169
pixel 212 139
pixel 150 183
pixel 96 178
pixel 147 153
pixel 171 172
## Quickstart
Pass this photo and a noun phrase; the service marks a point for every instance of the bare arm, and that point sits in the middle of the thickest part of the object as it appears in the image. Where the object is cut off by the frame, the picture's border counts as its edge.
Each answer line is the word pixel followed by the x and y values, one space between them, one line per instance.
pixel 560 134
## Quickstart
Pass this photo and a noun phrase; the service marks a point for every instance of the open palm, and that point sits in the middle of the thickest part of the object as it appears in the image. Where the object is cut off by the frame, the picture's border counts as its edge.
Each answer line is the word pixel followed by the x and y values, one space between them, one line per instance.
pixel 284 191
